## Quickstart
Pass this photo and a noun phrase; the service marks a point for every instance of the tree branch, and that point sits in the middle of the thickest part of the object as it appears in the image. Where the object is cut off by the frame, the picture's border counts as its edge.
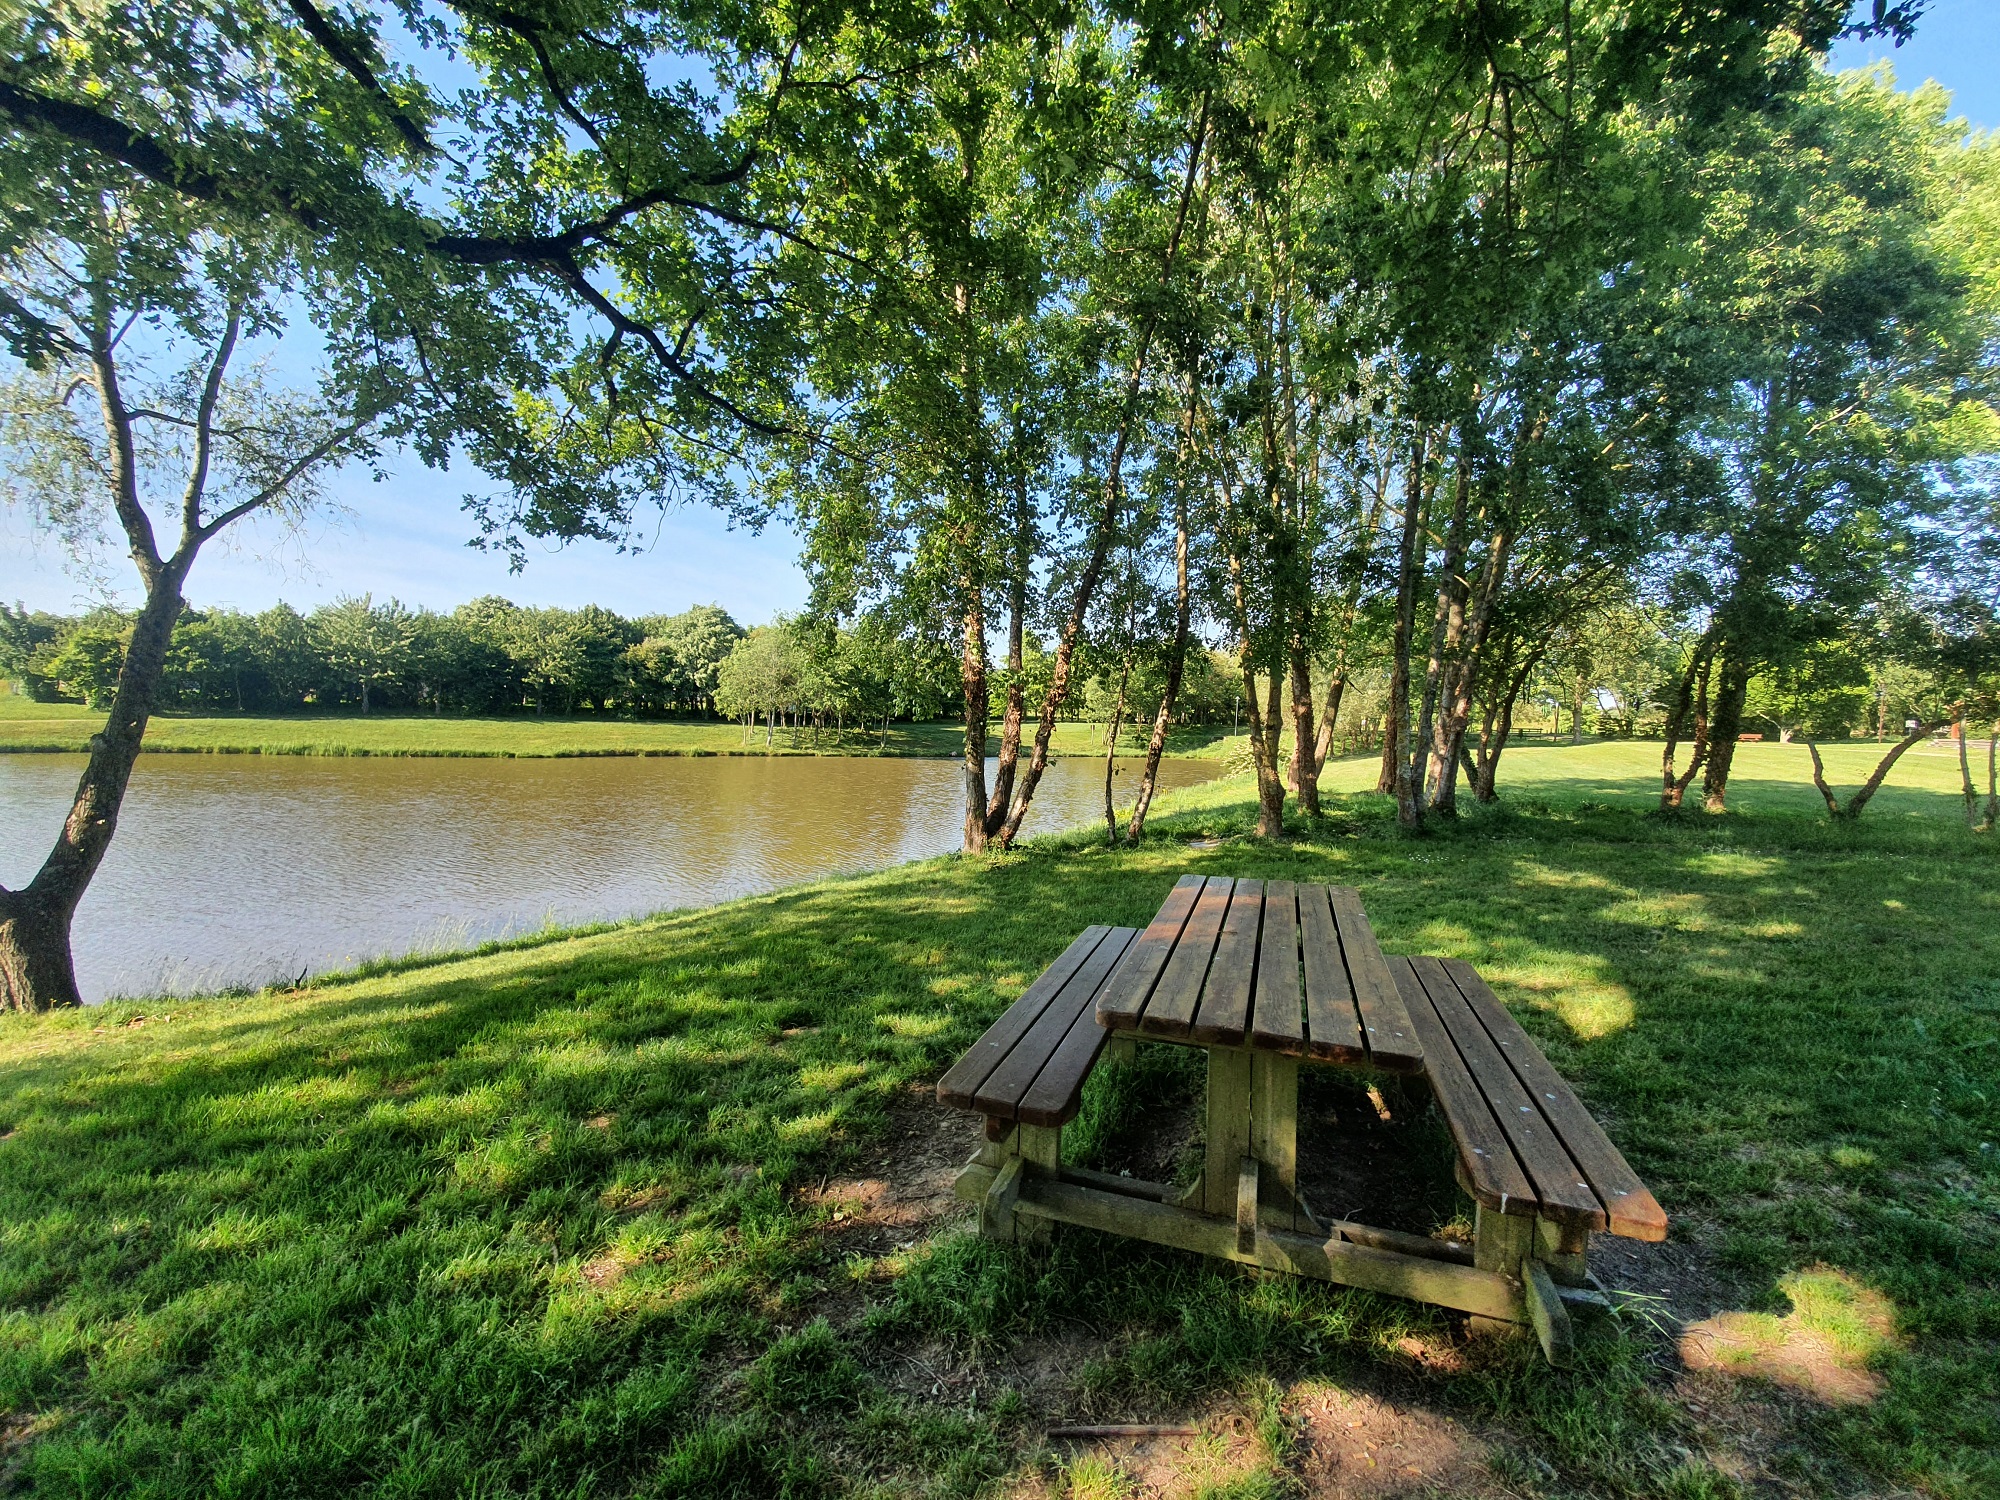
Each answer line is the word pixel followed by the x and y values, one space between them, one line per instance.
pixel 341 51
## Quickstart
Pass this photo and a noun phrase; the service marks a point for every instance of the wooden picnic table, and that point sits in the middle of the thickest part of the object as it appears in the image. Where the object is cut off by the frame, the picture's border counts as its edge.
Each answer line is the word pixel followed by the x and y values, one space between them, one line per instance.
pixel 1266 976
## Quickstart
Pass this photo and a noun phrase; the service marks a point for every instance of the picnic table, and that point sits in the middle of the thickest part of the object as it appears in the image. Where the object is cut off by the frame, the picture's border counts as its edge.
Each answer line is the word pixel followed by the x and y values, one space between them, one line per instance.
pixel 1265 977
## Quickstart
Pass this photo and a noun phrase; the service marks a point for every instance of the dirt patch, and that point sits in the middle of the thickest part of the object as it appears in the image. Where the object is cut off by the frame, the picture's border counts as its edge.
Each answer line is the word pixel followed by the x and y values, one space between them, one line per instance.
pixel 1355 1446
pixel 600 1122
pixel 903 1190
pixel 1373 1153
pixel 1820 1348
pixel 606 1271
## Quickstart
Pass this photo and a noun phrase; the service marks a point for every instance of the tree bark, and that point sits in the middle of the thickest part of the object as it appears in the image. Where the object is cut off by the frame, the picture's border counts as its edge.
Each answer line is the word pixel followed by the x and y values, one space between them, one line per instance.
pixel 1969 791
pixel 972 686
pixel 1111 751
pixel 1176 657
pixel 1305 762
pixel 1730 693
pixel 1861 799
pixel 1017 614
pixel 1992 818
pixel 1409 568
pixel 1690 700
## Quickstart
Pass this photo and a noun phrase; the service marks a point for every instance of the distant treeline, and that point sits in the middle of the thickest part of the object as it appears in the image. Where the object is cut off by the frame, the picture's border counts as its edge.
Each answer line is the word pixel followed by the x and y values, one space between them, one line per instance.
pixel 489 656
pixel 492 656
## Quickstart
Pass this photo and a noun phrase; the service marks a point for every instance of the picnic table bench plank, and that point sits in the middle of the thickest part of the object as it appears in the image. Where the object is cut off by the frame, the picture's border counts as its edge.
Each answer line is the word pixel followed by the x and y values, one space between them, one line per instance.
pixel 1384 1019
pixel 1171 1010
pixel 1631 1207
pixel 1125 997
pixel 1559 1184
pixel 1332 1023
pixel 961 1083
pixel 1224 1013
pixel 1492 1175
pixel 1053 1097
pixel 1276 1022
pixel 1000 1094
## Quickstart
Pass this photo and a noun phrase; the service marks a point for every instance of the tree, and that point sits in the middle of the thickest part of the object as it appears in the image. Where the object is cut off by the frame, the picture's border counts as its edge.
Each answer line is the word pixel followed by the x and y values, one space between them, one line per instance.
pixel 368 645
pixel 123 284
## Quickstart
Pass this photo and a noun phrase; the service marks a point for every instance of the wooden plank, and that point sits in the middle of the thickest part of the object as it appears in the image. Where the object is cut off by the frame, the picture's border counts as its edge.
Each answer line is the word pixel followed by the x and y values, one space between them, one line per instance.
pixel 1000 1093
pixel 961 1083
pixel 1630 1205
pixel 996 1209
pixel 1560 1187
pixel 1175 997
pixel 1490 1173
pixel 1276 1022
pixel 1392 1044
pixel 1548 1315
pixel 1333 1025
pixel 1274 1132
pixel 1228 1129
pixel 1224 1014
pixel 1247 1175
pixel 1057 1092
pixel 1119 1006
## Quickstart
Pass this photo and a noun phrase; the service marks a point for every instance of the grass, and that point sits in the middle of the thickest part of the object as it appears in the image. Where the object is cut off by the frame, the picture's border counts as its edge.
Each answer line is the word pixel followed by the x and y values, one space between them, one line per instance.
pixel 29 726
pixel 541 1219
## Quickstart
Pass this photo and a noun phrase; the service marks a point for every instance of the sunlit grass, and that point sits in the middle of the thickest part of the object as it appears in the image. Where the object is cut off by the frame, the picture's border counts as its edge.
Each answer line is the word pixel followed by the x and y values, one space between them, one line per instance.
pixel 531 1221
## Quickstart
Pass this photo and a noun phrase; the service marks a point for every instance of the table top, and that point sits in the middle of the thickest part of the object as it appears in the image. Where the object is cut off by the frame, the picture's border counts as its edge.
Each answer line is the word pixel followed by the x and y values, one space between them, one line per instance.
pixel 1272 966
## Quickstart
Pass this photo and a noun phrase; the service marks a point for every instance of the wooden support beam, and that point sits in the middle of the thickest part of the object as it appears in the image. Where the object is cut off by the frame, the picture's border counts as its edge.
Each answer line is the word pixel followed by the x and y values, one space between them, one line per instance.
pixel 1228 1129
pixel 1274 1134
pixel 1547 1313
pixel 1565 1250
pixel 996 1208
pixel 1041 1153
pixel 1500 1242
pixel 1246 1206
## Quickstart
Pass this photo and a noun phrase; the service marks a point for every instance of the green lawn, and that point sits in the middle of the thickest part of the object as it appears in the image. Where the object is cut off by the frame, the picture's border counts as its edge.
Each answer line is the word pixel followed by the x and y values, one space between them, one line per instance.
pixel 27 725
pixel 549 1219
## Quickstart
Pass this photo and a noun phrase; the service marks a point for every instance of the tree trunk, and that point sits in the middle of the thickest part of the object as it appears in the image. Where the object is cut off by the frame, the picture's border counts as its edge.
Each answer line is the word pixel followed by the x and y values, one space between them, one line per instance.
pixel 1305 762
pixel 1971 793
pixel 1111 751
pixel 972 682
pixel 1409 568
pixel 1176 666
pixel 1992 820
pixel 1691 700
pixel 1264 749
pixel 37 971
pixel 1329 718
pixel 1017 614
pixel 1436 733
pixel 364 695
pixel 1861 798
pixel 1730 693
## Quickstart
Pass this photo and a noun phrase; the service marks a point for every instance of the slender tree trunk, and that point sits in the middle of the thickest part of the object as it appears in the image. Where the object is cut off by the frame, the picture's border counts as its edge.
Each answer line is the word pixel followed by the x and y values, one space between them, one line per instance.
pixel 1329 717
pixel 1016 711
pixel 1436 731
pixel 1690 701
pixel 1730 693
pixel 37 969
pixel 1971 792
pixel 1111 751
pixel 1409 570
pixel 972 682
pixel 1992 819
pixel 1861 799
pixel 1305 760
pixel 1176 666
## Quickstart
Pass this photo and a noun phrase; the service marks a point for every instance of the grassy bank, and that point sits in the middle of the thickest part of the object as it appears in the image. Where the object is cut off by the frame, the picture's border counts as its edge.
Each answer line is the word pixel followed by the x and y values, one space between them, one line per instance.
pixel 639 1211
pixel 30 726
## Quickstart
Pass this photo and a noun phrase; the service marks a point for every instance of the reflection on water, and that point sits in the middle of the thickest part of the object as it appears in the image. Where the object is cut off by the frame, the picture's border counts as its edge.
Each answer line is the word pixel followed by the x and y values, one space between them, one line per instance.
pixel 244 869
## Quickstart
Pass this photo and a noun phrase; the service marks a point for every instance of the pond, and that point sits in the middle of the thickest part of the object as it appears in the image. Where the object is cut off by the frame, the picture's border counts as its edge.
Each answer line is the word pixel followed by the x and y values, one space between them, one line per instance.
pixel 245 869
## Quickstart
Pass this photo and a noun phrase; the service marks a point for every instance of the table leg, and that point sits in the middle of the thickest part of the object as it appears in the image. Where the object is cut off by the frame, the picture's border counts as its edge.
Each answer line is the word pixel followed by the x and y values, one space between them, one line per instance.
pixel 1228 1130
pixel 1274 1134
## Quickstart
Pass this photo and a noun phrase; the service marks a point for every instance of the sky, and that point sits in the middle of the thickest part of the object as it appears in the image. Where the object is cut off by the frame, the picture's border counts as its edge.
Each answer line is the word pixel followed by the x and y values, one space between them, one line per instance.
pixel 407 537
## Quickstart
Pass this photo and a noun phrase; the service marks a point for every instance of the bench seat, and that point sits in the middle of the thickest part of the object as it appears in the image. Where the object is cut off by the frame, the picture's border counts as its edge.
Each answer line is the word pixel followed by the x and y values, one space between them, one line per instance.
pixel 1527 1147
pixel 1031 1064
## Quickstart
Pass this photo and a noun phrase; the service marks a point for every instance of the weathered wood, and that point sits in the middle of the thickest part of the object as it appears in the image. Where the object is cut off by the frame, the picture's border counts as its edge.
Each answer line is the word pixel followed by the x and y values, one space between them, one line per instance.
pixel 1172 1008
pixel 1276 1020
pixel 961 1083
pixel 1333 1025
pixel 1120 1051
pixel 1057 1091
pixel 1034 1055
pixel 1274 1132
pixel 1464 1288
pixel 1560 1189
pixel 1119 1006
pixel 1486 1162
pixel 1547 1314
pixel 1041 1158
pixel 1500 1242
pixel 1228 1128
pixel 1392 1041
pixel 1223 1017
pixel 1632 1209
pixel 1565 1250
pixel 1247 1175
pixel 996 1208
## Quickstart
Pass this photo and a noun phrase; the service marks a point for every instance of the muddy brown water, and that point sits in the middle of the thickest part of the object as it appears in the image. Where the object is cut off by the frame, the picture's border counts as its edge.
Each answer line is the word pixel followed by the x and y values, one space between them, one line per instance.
pixel 249 869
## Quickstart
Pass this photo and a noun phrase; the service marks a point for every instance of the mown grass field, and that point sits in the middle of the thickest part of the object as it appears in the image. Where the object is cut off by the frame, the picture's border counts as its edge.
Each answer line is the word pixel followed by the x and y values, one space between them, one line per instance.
pixel 564 1217
pixel 29 726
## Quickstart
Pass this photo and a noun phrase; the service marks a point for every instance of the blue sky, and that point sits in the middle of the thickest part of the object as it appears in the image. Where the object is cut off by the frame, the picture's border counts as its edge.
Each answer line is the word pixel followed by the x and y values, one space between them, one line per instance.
pixel 407 537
